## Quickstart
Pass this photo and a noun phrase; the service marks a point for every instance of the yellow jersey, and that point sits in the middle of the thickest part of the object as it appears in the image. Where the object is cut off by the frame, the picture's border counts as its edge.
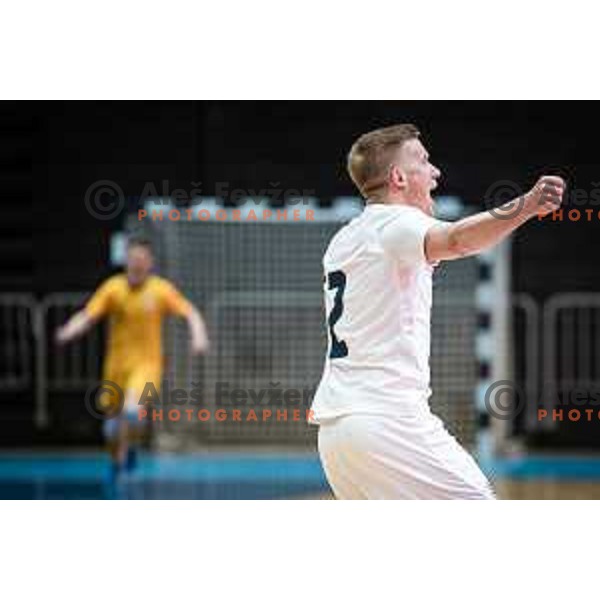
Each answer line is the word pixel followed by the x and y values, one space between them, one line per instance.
pixel 135 319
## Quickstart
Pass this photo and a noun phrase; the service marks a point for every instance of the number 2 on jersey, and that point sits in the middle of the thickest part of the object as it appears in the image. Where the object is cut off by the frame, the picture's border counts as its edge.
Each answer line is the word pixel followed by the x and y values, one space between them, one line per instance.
pixel 336 280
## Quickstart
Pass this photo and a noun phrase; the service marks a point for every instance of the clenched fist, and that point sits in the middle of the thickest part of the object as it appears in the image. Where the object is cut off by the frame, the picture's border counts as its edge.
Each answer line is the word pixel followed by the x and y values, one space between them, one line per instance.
pixel 546 196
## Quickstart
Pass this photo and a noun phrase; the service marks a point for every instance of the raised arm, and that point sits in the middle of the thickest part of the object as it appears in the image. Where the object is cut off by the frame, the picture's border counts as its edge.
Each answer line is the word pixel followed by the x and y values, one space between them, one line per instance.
pixel 177 304
pixel 479 232
pixel 79 324
pixel 82 321
pixel 198 333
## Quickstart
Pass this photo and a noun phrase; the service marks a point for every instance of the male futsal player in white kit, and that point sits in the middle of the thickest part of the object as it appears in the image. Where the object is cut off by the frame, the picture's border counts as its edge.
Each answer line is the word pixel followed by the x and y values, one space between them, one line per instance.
pixel 377 436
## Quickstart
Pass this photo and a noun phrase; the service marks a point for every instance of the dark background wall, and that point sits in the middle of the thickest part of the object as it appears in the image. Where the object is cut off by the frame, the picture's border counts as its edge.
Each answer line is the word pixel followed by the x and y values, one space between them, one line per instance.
pixel 56 150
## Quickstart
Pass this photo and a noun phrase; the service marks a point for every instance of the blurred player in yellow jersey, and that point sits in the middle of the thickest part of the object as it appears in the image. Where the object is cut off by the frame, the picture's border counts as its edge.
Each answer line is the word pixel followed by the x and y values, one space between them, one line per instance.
pixel 135 302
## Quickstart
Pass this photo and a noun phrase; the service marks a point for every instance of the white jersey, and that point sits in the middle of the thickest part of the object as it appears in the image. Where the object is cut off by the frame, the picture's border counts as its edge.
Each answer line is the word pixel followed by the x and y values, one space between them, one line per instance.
pixel 378 289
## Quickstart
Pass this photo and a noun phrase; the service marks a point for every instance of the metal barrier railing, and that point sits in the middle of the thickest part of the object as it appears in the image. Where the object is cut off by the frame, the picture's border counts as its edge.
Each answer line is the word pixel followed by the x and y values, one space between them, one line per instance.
pixel 566 356
pixel 531 376
pixel 67 369
pixel 17 322
pixel 571 352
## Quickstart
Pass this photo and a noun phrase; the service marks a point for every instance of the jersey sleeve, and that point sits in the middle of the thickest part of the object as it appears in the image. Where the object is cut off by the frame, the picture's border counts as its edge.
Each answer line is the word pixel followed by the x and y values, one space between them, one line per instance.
pixel 403 235
pixel 174 301
pixel 100 302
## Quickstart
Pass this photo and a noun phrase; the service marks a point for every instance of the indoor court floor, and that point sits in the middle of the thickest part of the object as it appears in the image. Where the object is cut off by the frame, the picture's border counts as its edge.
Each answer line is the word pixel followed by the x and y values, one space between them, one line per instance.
pixel 253 475
pixel 210 475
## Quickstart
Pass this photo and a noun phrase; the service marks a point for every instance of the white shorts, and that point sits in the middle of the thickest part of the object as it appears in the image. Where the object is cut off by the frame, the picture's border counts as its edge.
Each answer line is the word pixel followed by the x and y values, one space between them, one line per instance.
pixel 373 457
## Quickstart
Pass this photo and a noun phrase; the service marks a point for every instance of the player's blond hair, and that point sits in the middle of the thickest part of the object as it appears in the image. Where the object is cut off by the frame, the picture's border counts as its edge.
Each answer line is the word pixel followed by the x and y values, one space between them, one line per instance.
pixel 372 154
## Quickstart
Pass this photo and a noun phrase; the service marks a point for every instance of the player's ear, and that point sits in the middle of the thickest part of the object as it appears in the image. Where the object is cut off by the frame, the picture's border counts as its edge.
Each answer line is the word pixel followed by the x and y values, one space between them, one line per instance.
pixel 396 178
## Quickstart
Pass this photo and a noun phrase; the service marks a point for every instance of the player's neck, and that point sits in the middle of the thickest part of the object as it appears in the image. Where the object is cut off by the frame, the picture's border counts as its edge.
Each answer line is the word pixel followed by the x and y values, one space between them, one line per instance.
pixel 136 281
pixel 398 199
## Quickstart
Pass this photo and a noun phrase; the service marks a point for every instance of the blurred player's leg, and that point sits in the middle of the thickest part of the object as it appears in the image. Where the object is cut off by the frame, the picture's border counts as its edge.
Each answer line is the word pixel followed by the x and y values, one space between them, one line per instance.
pixel 112 425
pixel 112 434
pixel 136 427
pixel 126 451
pixel 120 434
